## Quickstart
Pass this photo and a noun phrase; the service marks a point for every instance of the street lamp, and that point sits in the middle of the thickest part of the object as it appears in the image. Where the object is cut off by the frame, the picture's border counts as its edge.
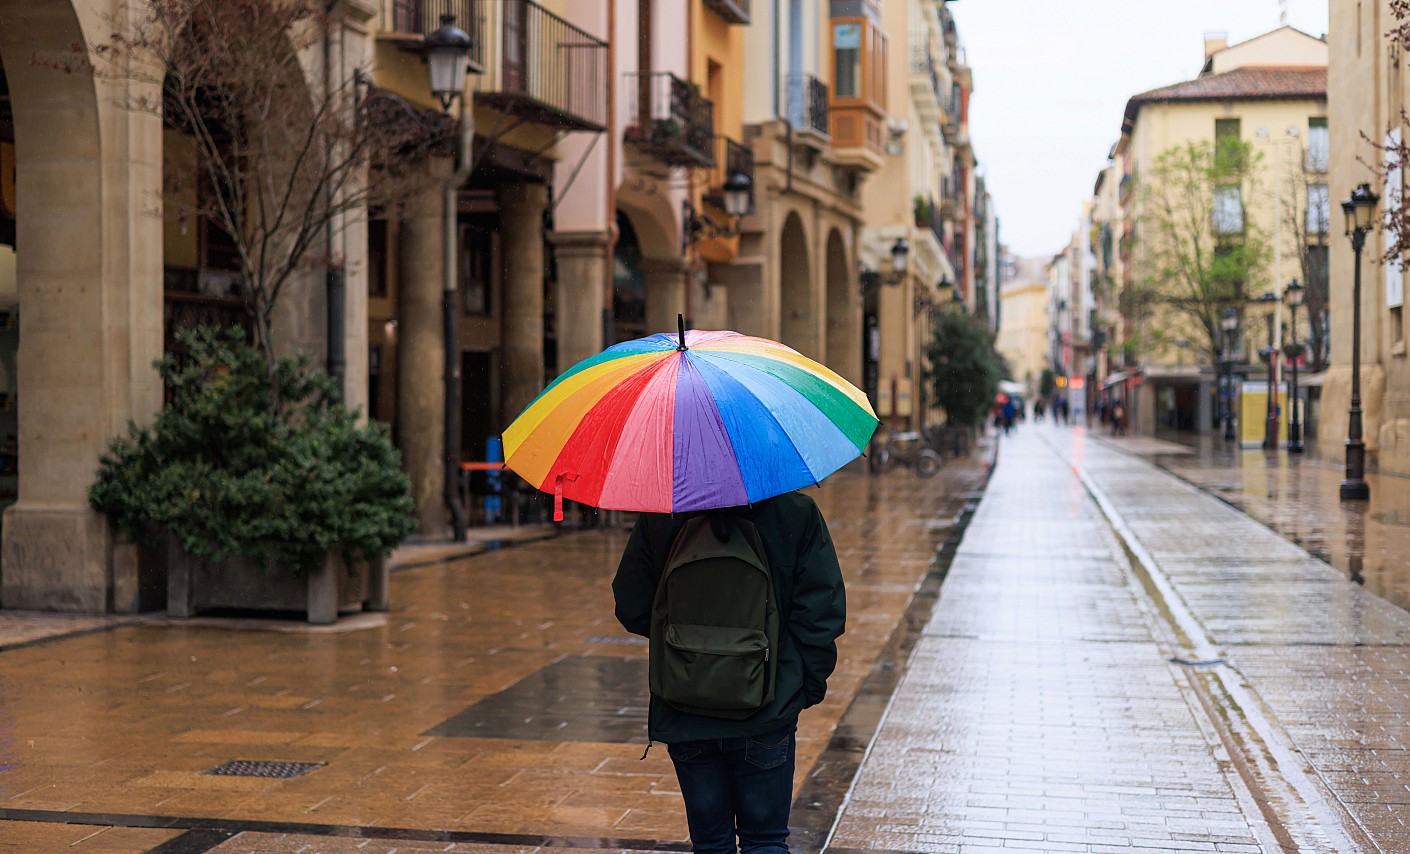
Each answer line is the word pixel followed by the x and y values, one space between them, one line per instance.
pixel 900 257
pixel 1360 212
pixel 1270 425
pixel 1229 323
pixel 1293 295
pixel 447 51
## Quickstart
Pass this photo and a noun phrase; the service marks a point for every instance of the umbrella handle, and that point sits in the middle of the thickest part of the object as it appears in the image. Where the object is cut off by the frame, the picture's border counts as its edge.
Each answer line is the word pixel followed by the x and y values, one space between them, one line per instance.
pixel 558 495
pixel 680 324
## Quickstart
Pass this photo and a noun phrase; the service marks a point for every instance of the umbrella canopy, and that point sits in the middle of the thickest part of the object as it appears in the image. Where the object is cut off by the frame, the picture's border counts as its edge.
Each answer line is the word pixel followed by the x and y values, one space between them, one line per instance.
pixel 672 423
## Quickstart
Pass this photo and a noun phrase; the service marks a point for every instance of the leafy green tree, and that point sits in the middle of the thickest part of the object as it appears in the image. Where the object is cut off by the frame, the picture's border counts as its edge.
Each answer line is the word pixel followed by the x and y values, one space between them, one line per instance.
pixel 1200 249
pixel 962 368
pixel 228 472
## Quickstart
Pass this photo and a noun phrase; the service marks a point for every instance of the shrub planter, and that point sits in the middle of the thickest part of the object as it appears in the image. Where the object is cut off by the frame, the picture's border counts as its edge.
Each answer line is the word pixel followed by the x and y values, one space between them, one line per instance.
pixel 194 585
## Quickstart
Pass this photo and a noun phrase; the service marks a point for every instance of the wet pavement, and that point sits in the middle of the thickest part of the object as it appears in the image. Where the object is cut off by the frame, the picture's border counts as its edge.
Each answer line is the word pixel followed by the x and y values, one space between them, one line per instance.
pixel 1297 495
pixel 1097 656
pixel 497 707
pixel 1119 661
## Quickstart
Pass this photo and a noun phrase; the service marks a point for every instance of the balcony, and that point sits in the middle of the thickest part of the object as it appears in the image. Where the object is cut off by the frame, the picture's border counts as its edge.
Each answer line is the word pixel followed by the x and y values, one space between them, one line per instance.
pixel 670 120
pixel 732 158
pixel 545 69
pixel 550 71
pixel 928 216
pixel 419 17
pixel 926 90
pixel 732 11
pixel 808 105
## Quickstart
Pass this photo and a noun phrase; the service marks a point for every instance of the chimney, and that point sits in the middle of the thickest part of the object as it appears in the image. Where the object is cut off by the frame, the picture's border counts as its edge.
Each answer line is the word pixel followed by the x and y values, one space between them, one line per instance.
pixel 1214 42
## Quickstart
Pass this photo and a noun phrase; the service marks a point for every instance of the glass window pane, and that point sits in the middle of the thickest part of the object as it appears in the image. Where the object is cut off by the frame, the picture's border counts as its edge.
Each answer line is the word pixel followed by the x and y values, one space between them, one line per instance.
pixel 1318 145
pixel 1228 211
pixel 1319 209
pixel 847 58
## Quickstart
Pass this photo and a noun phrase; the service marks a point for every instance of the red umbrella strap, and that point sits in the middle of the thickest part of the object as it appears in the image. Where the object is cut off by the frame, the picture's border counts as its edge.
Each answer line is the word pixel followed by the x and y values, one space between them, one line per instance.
pixel 558 495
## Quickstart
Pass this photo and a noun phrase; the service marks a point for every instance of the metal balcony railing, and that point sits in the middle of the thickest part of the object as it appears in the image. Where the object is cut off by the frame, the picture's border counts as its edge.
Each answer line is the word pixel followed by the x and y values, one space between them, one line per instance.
pixel 550 71
pixel 928 215
pixel 807 103
pixel 670 119
pixel 923 64
pixel 419 17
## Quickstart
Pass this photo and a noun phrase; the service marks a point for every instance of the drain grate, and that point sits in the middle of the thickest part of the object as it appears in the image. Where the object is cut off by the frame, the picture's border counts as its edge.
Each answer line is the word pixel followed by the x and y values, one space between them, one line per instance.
pixel 259 768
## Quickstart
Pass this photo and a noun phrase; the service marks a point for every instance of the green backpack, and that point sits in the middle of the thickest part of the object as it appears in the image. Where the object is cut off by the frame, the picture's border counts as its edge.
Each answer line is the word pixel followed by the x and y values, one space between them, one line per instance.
pixel 714 621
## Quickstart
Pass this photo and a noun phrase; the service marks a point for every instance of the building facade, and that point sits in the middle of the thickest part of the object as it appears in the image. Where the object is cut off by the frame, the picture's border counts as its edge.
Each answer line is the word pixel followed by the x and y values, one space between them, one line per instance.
pixel 1366 86
pixel 1270 94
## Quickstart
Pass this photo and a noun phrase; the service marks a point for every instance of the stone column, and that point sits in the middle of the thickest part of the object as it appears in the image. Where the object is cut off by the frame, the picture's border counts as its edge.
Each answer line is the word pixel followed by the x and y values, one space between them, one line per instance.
pixel 420 352
pixel 521 227
pixel 89 282
pixel 583 268
pixel 665 293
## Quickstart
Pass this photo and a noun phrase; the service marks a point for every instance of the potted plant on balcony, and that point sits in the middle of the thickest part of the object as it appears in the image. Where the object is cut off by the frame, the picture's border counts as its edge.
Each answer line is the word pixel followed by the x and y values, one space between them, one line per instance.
pixel 277 501
pixel 920 207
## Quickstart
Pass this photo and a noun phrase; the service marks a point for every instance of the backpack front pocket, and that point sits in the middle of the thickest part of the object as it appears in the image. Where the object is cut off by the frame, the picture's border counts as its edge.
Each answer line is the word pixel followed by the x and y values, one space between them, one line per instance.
pixel 714 667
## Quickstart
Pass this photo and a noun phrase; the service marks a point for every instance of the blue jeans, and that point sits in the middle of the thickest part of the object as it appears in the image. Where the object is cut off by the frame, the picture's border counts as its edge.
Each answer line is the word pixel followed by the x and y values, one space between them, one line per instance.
pixel 737 787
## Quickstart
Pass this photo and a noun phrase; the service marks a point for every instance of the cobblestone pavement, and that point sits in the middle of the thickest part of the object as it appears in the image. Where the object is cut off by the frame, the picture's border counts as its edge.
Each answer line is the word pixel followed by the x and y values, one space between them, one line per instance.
pixel 497 708
pixel 1120 661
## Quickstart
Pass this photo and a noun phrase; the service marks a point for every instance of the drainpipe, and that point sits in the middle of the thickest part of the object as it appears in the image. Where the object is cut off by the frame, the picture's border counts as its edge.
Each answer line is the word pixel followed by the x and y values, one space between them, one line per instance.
pixel 613 142
pixel 450 331
pixel 335 281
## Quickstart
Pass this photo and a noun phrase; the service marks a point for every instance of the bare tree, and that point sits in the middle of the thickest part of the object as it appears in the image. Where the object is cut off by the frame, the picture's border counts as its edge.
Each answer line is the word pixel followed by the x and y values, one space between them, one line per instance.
pixel 279 161
pixel 1305 208
pixel 1199 248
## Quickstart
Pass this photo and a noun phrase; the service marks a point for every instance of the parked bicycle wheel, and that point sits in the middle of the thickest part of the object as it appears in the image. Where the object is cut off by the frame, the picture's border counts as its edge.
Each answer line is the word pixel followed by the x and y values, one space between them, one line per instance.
pixel 928 463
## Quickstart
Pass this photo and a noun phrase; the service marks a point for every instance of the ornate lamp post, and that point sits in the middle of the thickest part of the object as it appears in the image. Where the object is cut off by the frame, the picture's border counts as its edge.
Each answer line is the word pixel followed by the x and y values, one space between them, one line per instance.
pixel 1360 212
pixel 1229 322
pixel 447 52
pixel 1293 296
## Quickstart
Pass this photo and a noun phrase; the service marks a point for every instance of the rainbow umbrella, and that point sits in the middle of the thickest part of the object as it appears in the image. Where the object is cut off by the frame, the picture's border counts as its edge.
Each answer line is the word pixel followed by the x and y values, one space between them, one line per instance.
pixel 672 423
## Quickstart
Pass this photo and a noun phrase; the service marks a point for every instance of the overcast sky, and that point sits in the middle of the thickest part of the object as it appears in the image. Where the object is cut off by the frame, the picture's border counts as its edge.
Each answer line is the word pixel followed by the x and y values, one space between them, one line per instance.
pixel 1052 78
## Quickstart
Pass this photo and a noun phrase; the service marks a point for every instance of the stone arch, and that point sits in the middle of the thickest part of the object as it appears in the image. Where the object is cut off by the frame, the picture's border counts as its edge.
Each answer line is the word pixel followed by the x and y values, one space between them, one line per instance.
pixel 798 321
pixel 88 287
pixel 844 317
pixel 658 233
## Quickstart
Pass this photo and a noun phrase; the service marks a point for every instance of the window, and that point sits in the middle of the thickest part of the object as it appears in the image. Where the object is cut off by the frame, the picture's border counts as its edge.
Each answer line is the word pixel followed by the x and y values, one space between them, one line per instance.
pixel 478 250
pixel 1228 211
pixel 847 59
pixel 1397 328
pixel 1319 209
pixel 377 258
pixel 1318 145
pixel 1228 145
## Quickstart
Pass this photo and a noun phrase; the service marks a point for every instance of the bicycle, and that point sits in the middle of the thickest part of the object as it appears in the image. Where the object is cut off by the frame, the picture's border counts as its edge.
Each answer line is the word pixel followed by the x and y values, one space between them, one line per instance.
pixel 911 451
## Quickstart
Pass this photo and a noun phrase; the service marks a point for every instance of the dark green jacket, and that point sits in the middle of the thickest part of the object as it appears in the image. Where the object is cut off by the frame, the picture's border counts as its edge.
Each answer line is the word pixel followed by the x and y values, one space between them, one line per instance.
pixel 812 610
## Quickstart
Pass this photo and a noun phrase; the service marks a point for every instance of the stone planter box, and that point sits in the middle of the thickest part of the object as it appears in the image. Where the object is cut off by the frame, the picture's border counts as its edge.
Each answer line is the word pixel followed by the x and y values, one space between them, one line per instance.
pixel 194 585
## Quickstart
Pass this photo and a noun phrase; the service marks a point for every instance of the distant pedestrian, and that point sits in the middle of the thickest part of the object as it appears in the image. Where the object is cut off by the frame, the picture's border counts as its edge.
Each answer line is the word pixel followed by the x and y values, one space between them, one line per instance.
pixel 1118 419
pixel 1038 407
pixel 1010 413
pixel 732 742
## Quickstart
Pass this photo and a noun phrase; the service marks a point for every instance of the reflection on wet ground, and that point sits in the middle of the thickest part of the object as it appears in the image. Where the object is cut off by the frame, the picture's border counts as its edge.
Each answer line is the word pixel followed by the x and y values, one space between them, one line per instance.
pixel 492 709
pixel 1298 497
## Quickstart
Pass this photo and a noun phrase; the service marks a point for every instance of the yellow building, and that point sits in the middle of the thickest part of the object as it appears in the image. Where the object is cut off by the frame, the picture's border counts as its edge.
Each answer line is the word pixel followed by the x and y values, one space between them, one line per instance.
pixel 1024 322
pixel 1269 92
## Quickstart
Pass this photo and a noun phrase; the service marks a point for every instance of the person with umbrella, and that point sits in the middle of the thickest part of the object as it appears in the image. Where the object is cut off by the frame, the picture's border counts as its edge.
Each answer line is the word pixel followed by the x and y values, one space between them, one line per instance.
pixel 709 435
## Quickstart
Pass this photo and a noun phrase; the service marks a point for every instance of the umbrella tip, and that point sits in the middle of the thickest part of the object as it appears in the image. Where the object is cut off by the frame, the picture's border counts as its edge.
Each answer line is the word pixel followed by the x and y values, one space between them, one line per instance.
pixel 680 324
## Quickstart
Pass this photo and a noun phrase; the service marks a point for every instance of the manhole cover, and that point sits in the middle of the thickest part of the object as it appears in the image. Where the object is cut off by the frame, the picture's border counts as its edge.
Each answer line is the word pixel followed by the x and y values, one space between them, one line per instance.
pixel 256 768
